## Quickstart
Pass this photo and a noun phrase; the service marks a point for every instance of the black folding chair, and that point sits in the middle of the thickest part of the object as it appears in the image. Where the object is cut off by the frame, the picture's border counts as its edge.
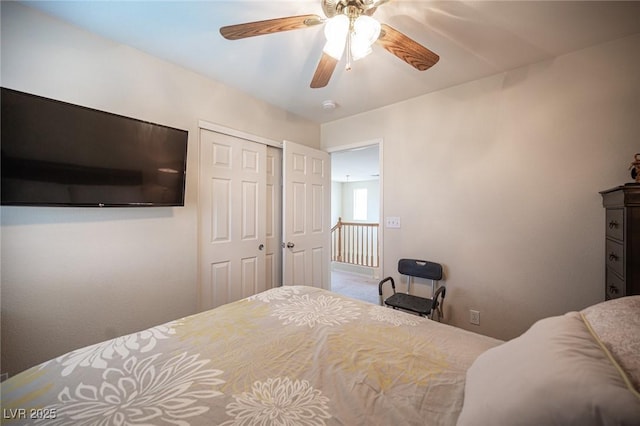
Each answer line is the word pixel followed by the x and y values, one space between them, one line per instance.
pixel 423 306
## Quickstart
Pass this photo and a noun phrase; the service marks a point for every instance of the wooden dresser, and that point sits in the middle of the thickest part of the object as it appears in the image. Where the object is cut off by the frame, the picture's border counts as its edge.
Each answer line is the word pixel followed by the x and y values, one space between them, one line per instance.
pixel 622 256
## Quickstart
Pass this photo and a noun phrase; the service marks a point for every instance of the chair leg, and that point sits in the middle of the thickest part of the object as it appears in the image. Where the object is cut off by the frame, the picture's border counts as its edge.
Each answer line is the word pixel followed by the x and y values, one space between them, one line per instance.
pixel 437 310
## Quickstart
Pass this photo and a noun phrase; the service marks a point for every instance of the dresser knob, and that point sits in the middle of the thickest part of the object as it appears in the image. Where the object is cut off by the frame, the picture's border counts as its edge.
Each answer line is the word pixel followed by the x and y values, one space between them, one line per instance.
pixel 613 224
pixel 613 257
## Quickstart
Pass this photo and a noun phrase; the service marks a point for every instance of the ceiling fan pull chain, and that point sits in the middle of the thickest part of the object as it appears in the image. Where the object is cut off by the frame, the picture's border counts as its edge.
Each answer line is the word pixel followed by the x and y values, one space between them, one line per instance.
pixel 348 66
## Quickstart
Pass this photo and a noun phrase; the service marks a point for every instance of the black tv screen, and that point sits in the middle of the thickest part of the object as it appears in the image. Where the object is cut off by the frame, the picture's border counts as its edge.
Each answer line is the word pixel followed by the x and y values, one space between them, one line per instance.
pixel 59 154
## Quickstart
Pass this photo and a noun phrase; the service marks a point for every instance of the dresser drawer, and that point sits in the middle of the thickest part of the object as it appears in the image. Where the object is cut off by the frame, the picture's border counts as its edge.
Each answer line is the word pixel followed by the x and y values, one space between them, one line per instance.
pixel 614 286
pixel 615 223
pixel 622 240
pixel 615 257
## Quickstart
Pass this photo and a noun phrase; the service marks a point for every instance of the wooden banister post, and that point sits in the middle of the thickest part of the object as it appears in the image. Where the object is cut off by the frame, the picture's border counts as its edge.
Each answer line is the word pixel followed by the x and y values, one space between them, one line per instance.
pixel 339 225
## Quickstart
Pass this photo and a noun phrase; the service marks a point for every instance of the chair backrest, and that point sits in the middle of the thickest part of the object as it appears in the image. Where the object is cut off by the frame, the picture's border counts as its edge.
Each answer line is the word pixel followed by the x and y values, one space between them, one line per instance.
pixel 420 269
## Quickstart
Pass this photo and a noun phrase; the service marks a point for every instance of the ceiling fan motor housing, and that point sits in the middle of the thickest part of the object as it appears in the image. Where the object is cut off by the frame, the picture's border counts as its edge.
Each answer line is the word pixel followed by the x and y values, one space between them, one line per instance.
pixel 332 8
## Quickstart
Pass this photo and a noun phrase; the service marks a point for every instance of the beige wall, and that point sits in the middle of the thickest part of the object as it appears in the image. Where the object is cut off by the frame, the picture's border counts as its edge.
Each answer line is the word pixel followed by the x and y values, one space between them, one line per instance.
pixel 498 180
pixel 70 276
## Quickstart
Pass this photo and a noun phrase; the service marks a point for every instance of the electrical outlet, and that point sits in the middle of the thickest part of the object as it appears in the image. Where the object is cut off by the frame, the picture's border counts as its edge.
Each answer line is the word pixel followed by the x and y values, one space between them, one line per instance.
pixel 392 222
pixel 474 317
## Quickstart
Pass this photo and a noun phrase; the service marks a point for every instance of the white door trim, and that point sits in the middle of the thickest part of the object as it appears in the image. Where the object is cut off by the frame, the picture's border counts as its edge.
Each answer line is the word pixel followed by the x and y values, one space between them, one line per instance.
pixel 237 133
pixel 377 141
pixel 369 142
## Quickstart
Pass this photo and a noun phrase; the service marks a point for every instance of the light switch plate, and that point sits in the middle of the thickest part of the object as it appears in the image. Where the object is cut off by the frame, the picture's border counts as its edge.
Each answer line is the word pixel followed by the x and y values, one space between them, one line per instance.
pixel 392 222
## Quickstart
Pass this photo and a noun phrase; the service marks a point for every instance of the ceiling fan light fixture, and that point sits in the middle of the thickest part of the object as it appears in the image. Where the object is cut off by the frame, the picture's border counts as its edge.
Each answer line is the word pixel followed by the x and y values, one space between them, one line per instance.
pixel 358 49
pixel 366 31
pixel 335 31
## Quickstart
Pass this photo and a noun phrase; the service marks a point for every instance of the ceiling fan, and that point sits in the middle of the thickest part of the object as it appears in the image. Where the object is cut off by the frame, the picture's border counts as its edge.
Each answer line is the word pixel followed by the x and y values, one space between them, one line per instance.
pixel 348 26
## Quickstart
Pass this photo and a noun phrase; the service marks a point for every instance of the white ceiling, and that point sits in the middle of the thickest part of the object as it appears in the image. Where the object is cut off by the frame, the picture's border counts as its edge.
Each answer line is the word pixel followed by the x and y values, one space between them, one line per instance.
pixel 473 38
pixel 356 164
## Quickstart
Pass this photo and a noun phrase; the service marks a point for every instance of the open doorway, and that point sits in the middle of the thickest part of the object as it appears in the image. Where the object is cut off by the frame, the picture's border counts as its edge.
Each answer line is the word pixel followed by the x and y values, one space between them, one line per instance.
pixel 356 236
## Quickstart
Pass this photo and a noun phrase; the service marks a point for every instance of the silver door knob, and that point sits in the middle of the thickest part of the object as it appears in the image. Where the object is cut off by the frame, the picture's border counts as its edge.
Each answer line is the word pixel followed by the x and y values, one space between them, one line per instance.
pixel 290 245
pixel 261 247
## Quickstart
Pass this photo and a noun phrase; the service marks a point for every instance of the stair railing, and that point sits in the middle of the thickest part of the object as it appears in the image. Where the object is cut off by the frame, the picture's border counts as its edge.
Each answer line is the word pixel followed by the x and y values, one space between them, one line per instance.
pixel 355 243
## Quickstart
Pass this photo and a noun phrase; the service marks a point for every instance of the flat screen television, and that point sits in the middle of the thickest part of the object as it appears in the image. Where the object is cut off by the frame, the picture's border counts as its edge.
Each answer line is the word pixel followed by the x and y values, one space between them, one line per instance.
pixel 59 154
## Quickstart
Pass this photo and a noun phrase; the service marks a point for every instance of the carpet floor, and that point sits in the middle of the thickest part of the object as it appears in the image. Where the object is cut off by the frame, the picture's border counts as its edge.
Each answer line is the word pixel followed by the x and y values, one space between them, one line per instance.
pixel 355 286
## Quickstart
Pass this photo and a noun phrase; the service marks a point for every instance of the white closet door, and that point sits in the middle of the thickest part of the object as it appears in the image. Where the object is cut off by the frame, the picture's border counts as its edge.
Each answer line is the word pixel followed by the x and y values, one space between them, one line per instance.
pixel 306 216
pixel 274 218
pixel 232 220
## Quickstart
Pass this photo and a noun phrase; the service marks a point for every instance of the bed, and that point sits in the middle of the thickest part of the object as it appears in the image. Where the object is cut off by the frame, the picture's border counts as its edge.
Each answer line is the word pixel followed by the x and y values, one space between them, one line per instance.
pixel 305 356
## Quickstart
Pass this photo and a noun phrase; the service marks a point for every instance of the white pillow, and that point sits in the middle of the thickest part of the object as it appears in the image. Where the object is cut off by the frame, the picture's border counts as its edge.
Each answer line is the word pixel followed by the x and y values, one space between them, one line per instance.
pixel 556 373
pixel 616 322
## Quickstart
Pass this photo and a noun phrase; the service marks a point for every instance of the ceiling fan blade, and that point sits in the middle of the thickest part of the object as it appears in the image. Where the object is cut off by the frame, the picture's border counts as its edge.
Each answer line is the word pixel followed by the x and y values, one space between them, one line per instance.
pixel 251 29
pixel 407 49
pixel 324 71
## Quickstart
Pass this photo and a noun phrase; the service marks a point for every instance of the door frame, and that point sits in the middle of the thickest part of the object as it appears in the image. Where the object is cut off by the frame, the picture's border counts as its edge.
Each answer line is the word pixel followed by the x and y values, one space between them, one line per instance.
pixel 207 125
pixel 361 144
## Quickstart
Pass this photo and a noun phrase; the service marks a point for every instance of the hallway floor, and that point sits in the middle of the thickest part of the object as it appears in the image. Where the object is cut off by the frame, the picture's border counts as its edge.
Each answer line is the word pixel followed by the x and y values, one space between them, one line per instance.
pixel 355 285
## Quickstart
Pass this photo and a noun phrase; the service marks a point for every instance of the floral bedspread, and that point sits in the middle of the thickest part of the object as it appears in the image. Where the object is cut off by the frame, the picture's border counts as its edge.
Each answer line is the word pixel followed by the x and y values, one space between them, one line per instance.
pixel 288 356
